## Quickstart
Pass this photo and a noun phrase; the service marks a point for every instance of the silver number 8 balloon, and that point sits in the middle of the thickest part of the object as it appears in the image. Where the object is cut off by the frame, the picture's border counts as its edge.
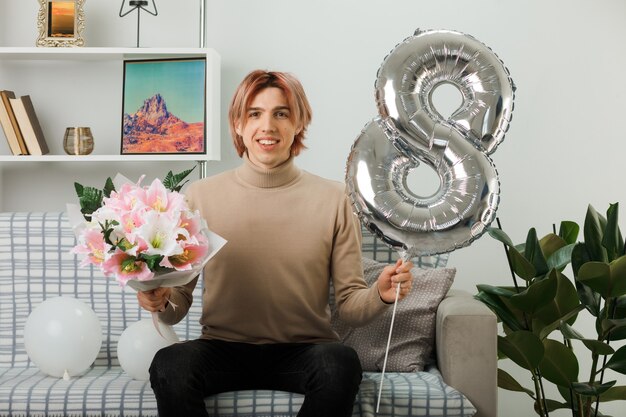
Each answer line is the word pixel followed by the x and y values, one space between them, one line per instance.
pixel 409 130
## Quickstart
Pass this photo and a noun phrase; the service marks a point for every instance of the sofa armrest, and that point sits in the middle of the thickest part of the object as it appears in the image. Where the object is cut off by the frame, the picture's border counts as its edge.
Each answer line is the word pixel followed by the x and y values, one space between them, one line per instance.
pixel 466 345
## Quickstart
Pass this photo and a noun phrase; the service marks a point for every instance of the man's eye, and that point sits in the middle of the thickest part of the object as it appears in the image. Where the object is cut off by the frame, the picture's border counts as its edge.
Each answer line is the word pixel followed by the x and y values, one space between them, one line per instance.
pixel 253 114
pixel 282 115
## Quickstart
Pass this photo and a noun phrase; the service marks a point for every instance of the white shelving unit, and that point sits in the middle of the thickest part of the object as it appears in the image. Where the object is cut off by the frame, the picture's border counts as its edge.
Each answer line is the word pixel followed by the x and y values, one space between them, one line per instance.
pixel 95 57
pixel 83 86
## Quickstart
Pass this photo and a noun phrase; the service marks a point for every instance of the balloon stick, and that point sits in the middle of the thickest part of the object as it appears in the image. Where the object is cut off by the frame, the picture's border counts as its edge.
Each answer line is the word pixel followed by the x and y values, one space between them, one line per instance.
pixel 393 317
pixel 382 375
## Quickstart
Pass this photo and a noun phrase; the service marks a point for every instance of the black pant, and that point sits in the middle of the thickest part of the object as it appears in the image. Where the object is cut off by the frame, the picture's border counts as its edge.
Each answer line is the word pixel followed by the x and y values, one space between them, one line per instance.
pixel 328 374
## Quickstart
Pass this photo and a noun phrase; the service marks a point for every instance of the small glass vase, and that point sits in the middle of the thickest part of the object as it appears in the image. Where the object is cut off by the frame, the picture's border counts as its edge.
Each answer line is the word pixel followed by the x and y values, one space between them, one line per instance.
pixel 78 141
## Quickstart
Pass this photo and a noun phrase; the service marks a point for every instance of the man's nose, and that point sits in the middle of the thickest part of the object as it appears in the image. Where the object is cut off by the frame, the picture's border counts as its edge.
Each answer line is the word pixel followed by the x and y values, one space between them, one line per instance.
pixel 267 123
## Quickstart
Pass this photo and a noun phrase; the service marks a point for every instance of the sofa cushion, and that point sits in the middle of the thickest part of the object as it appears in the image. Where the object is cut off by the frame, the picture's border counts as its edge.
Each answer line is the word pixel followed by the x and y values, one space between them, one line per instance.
pixel 413 336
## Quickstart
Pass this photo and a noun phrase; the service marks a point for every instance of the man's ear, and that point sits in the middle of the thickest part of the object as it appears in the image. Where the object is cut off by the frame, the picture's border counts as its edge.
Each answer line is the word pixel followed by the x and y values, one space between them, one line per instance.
pixel 238 128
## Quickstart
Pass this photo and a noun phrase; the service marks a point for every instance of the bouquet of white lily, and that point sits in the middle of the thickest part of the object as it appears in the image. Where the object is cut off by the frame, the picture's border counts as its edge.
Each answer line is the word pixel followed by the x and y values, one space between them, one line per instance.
pixel 143 236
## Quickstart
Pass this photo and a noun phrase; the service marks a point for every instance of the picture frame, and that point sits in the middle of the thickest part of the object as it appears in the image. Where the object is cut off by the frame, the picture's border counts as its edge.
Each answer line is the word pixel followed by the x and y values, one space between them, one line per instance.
pixel 60 23
pixel 164 106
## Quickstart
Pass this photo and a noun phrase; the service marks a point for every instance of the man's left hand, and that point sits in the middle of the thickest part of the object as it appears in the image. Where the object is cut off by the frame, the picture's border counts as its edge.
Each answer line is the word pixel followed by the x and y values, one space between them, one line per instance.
pixel 391 277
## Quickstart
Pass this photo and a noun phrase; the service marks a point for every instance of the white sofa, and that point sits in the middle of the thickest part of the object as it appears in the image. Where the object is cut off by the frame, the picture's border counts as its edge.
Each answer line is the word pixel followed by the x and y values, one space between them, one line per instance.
pixel 35 264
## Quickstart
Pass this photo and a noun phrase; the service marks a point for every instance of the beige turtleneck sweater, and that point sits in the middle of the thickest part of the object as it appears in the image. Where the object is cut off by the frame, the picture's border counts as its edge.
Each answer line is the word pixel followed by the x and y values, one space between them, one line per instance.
pixel 288 233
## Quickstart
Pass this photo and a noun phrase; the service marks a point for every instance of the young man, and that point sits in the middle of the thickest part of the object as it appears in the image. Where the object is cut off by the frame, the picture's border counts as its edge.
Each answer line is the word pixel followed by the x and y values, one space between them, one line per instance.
pixel 265 320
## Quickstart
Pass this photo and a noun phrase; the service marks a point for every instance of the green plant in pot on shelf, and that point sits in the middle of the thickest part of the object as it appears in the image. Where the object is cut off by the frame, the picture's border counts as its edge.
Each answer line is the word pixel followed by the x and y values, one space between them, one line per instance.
pixel 538 313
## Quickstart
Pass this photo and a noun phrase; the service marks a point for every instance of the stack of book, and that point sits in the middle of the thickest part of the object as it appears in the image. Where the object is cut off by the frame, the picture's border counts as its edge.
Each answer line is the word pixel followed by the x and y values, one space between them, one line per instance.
pixel 20 125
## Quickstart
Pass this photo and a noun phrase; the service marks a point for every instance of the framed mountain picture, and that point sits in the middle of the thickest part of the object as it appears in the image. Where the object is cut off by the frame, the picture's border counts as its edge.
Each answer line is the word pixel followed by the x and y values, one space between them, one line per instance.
pixel 164 106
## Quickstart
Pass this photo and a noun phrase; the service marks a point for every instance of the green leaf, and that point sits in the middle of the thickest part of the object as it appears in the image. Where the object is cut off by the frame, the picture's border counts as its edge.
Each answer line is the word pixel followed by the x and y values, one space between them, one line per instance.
pixel 519 264
pixel 79 189
pixel 550 243
pixel 612 239
pixel 579 257
pixel 500 291
pixel 559 364
pixel 90 200
pixel 522 267
pixel 615 326
pixel 152 261
pixel 593 389
pixel 620 307
pixel 561 257
pixel 522 347
pixel 553 405
pixel 564 301
pixel 560 323
pixel 569 231
pixel 593 231
pixel 596 275
pixel 500 309
pixel 609 280
pixel 597 347
pixel 536 295
pixel 614 394
pixel 108 187
pixel 570 333
pixel 173 181
pixel 590 299
pixel 106 234
pixel 507 382
pixel 619 313
pixel 534 254
pixel 500 235
pixel 618 361
pixel 618 276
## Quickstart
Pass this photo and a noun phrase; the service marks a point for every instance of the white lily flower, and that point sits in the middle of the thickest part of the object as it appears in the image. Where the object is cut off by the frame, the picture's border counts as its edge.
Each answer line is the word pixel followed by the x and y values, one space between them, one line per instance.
pixel 159 234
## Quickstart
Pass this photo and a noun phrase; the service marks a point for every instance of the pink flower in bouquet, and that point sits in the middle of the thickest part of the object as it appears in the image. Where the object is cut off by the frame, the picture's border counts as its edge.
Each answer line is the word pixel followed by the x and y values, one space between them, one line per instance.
pixel 92 246
pixel 159 199
pixel 126 267
pixel 192 252
pixel 192 224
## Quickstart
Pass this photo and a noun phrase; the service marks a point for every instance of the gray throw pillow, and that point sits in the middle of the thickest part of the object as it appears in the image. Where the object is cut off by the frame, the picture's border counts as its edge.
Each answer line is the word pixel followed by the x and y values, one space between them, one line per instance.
pixel 413 337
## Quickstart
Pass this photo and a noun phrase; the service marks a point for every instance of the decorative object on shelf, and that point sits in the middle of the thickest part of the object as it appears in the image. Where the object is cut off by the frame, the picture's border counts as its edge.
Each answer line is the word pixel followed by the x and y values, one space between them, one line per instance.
pixel 78 141
pixel 61 23
pixel 164 106
pixel 138 5
pixel 9 124
pixel 29 125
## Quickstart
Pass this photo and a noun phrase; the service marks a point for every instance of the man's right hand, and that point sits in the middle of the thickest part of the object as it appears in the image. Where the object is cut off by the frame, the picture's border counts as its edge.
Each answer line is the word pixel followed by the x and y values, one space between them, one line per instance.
pixel 154 300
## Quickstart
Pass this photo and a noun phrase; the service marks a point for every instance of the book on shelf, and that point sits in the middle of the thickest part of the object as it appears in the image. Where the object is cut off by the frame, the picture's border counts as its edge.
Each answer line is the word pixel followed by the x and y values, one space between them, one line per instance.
pixel 10 125
pixel 29 125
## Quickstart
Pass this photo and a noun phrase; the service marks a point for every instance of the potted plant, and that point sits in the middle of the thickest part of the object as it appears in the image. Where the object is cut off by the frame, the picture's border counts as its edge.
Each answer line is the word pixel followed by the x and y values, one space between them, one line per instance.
pixel 539 310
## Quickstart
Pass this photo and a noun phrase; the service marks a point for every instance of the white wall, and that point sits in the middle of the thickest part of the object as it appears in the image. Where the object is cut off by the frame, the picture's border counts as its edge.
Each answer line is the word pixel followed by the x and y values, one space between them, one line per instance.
pixel 564 149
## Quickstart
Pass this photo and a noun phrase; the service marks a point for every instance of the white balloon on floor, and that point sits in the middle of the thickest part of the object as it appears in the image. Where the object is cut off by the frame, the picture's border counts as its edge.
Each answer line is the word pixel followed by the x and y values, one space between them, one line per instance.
pixel 139 343
pixel 62 336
